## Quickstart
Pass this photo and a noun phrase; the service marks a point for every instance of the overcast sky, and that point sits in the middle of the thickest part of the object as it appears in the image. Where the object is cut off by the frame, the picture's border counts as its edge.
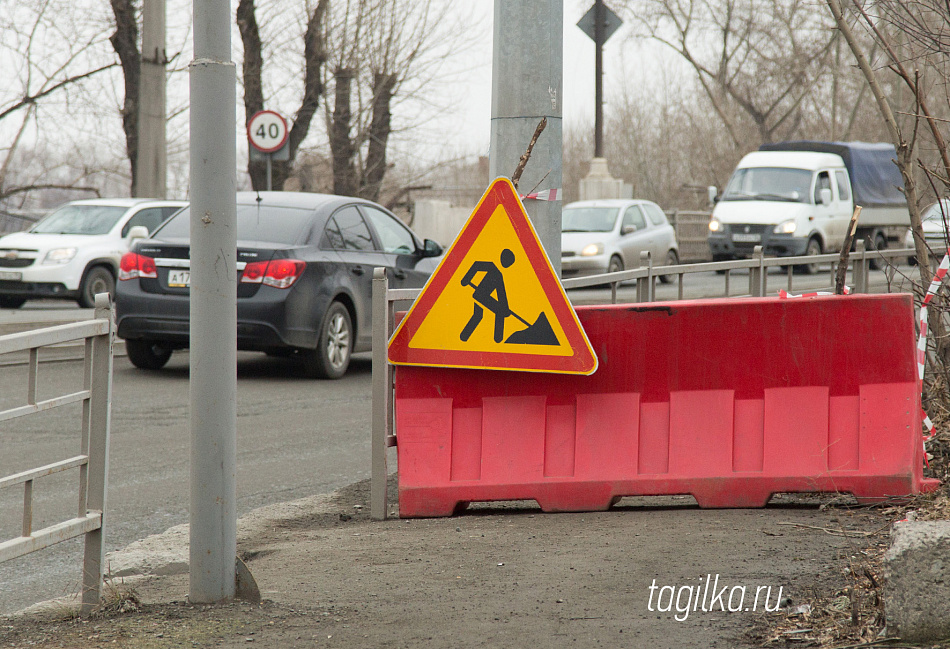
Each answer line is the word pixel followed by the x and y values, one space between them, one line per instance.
pixel 578 90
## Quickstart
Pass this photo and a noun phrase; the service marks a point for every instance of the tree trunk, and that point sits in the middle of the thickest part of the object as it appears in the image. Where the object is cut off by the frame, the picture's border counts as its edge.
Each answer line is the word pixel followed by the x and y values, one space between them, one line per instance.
pixel 379 130
pixel 314 57
pixel 342 147
pixel 253 86
pixel 125 43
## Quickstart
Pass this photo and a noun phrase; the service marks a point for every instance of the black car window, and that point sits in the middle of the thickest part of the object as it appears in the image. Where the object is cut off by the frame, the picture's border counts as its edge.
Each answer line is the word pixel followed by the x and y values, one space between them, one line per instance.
pixel 633 216
pixel 346 230
pixel 150 218
pixel 168 211
pixel 266 224
pixel 393 235
pixel 332 239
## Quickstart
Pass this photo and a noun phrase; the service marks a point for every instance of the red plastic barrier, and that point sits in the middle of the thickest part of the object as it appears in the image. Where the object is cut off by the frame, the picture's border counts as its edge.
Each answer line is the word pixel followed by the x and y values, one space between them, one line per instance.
pixel 730 401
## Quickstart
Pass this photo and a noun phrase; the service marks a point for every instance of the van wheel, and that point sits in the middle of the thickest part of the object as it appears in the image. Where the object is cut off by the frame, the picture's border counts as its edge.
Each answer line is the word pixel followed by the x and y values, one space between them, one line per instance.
pixel 334 345
pixel 147 354
pixel 98 279
pixel 12 302
pixel 813 249
pixel 879 243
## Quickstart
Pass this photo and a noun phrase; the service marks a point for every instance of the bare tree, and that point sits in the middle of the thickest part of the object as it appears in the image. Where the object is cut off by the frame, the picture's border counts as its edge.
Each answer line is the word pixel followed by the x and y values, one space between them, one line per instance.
pixel 912 38
pixel 48 54
pixel 755 60
pixel 125 42
pixel 314 57
pixel 381 51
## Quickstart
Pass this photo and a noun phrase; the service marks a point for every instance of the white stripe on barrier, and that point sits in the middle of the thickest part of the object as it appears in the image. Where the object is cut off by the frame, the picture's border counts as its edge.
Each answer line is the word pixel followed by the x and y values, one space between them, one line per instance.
pixel 543 195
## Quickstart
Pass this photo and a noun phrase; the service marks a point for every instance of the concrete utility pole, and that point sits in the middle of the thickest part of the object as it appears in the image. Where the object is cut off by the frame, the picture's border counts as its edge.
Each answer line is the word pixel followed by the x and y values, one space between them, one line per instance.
pixel 213 306
pixel 150 179
pixel 526 86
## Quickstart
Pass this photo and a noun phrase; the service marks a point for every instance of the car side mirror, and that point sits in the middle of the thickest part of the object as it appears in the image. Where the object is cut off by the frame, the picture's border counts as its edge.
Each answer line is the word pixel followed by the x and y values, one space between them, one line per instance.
pixel 824 195
pixel 431 249
pixel 627 229
pixel 136 232
pixel 713 194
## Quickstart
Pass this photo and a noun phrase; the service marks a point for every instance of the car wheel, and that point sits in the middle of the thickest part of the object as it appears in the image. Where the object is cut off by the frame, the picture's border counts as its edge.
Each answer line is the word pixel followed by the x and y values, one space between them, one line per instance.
pixel 615 265
pixel 12 302
pixel 880 243
pixel 672 259
pixel 147 354
pixel 98 279
pixel 814 248
pixel 334 345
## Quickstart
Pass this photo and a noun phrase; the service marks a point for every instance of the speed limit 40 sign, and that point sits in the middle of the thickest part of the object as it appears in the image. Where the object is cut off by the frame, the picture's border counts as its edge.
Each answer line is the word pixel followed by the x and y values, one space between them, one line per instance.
pixel 267 131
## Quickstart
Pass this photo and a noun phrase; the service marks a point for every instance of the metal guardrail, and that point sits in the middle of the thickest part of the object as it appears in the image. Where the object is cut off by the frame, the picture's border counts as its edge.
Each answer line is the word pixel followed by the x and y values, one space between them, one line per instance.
pixel 96 398
pixel 646 276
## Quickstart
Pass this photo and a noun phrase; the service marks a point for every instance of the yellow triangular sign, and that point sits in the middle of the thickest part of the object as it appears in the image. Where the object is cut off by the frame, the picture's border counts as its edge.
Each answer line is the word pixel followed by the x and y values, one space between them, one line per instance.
pixel 494 302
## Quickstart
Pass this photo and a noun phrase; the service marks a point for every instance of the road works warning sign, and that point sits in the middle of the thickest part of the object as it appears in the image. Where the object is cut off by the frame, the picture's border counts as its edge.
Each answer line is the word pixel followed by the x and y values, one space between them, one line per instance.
pixel 494 302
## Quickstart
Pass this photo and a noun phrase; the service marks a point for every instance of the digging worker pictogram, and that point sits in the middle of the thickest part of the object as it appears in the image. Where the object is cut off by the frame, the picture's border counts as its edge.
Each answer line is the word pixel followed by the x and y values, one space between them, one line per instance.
pixel 492 282
pixel 490 294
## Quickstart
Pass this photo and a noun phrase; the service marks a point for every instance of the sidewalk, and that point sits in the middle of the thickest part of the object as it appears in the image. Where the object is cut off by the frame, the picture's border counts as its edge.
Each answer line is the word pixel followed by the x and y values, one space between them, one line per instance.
pixel 504 575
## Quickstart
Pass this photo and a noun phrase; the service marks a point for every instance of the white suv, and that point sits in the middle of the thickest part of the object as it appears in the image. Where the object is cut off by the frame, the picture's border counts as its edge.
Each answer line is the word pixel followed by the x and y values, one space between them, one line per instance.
pixel 74 251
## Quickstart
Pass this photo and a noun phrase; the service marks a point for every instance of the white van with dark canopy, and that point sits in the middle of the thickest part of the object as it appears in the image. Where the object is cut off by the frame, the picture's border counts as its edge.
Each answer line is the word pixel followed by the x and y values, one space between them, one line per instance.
pixel 797 198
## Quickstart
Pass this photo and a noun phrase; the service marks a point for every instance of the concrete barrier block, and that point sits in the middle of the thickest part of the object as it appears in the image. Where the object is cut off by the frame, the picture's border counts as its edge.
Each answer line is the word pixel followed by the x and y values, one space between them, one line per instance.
pixel 917 573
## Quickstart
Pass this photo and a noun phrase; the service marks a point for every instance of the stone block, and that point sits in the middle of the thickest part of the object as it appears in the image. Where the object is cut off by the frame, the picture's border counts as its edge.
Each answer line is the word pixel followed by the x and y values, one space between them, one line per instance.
pixel 917 581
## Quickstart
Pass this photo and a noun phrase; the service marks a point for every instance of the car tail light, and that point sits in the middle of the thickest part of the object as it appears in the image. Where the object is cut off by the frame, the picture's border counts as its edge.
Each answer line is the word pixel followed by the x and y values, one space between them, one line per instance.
pixel 134 265
pixel 279 273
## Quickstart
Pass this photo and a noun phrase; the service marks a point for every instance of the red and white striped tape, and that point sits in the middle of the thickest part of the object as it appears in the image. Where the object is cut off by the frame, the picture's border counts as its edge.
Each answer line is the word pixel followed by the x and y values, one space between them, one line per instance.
pixel 785 295
pixel 935 285
pixel 922 343
pixel 543 195
pixel 938 278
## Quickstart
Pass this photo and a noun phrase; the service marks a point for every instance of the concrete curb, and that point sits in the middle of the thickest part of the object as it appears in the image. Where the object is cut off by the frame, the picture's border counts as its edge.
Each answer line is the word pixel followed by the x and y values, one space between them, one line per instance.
pixel 166 554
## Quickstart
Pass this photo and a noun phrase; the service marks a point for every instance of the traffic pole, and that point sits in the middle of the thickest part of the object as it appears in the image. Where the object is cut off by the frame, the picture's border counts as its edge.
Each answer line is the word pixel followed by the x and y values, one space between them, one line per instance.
pixel 213 342
pixel 526 86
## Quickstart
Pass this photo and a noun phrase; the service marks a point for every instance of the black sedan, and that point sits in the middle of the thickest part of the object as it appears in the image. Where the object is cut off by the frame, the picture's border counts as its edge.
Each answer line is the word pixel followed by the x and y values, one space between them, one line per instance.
pixel 305 271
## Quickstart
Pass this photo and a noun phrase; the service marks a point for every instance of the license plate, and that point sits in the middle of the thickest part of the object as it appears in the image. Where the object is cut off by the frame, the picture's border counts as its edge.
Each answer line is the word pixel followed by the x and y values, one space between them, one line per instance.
pixel 13 277
pixel 179 278
pixel 741 237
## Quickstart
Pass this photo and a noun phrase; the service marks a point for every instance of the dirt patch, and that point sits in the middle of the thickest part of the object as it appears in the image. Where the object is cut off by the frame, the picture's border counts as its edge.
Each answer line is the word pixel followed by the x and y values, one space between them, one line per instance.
pixel 508 575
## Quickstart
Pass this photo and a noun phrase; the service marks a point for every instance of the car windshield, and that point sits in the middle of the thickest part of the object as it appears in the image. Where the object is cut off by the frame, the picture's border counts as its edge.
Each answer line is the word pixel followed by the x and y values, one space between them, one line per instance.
pixel 80 219
pixel 589 219
pixel 769 184
pixel 265 224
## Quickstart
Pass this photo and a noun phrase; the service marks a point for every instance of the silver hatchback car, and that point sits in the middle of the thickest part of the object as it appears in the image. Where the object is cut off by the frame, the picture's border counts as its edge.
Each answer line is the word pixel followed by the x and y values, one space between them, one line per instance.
pixel 605 236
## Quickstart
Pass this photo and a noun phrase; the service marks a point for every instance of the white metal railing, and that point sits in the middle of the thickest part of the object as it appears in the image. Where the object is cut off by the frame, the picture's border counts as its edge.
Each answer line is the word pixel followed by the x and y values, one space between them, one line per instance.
pixel 385 299
pixel 97 335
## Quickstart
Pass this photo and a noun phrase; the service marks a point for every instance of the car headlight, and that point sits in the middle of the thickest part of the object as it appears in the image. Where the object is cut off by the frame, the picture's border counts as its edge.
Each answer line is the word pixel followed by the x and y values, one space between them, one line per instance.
pixel 785 227
pixel 59 256
pixel 715 225
pixel 592 249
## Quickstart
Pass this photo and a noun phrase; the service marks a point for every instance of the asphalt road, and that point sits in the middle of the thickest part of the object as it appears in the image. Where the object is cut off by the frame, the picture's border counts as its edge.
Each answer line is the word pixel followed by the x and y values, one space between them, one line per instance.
pixel 296 437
